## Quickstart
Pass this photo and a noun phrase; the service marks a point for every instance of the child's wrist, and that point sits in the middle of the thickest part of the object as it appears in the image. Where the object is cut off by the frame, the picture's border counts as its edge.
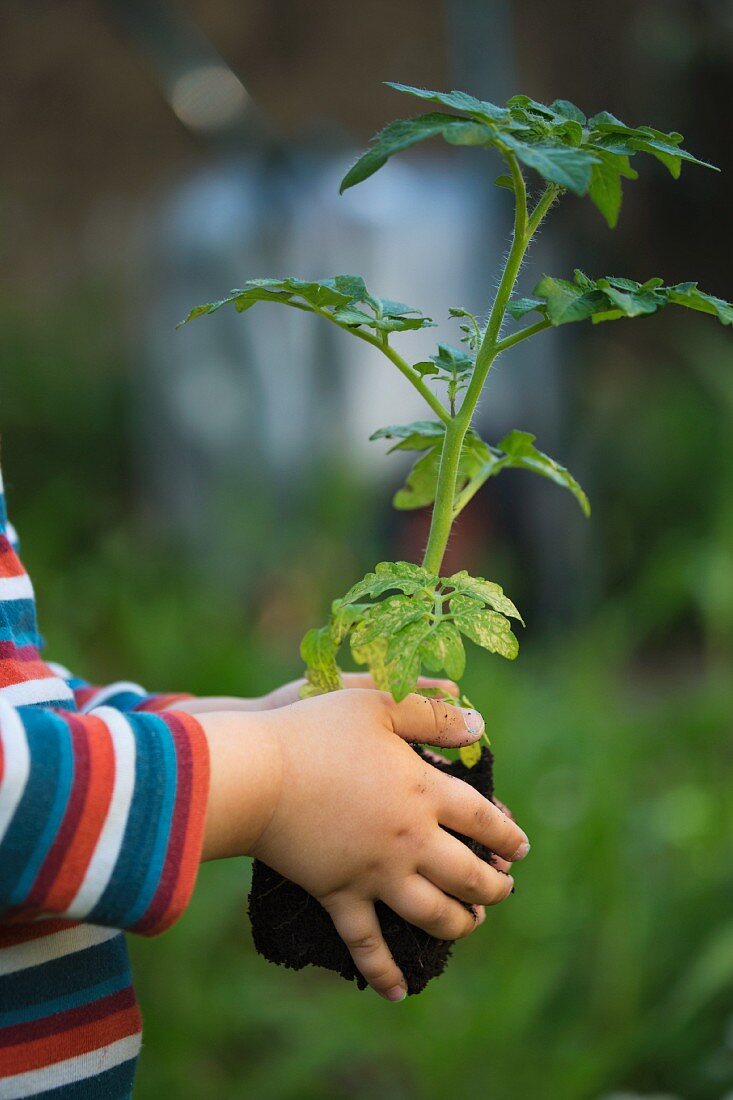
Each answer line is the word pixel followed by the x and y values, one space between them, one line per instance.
pixel 245 777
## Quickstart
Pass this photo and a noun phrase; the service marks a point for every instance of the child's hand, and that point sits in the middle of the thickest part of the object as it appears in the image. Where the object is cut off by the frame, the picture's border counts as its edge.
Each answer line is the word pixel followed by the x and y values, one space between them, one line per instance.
pixel 327 792
pixel 290 693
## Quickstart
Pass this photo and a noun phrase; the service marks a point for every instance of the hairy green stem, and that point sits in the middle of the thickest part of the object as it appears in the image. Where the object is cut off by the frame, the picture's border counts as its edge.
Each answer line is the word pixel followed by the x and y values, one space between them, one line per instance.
pixel 548 196
pixel 524 334
pixel 466 495
pixel 442 518
pixel 447 506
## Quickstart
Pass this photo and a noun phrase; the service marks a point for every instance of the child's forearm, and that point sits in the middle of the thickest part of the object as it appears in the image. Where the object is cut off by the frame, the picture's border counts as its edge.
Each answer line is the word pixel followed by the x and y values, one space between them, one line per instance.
pixel 245 772
pixel 221 703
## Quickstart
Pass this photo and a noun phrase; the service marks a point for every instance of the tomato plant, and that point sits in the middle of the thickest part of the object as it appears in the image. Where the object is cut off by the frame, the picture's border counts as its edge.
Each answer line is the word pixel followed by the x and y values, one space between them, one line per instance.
pixel 405 617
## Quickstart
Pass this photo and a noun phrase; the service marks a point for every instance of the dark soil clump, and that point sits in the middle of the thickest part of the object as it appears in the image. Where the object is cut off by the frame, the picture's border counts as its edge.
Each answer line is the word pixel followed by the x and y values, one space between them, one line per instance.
pixel 292 929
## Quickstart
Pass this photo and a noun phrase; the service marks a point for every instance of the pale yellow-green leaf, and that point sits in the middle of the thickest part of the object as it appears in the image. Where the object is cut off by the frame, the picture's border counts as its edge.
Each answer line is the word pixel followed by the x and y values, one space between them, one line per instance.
pixel 470 754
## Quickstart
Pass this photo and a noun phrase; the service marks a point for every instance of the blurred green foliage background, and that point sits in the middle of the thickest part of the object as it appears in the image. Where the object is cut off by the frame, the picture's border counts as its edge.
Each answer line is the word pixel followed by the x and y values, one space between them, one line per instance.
pixel 609 973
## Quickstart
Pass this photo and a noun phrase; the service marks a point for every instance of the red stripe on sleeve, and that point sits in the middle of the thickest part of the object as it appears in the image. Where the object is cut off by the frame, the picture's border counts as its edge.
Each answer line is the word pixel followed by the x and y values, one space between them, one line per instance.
pixel 157 703
pixel 69 1044
pixel 63 871
pixel 10 565
pixel 180 868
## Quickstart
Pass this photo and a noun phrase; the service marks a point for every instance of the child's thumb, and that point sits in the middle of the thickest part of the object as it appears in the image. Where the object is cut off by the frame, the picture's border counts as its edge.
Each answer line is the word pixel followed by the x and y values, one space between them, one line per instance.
pixel 434 722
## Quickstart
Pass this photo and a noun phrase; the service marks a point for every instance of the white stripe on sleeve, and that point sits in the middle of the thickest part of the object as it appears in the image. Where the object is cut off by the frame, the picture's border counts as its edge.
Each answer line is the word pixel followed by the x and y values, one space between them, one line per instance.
pixel 16 588
pixel 106 853
pixel 104 693
pixel 43 689
pixel 79 1068
pixel 16 763
pixel 56 945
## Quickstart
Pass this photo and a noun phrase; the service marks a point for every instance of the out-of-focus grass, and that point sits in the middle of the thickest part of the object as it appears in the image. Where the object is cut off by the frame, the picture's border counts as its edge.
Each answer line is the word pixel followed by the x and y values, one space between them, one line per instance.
pixel 611 968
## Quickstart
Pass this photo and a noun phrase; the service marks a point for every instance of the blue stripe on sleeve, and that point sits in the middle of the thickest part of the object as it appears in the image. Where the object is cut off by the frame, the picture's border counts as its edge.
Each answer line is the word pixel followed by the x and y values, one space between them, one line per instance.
pixel 66 975
pixel 138 843
pixel 84 996
pixel 112 1084
pixel 37 803
pixel 57 809
pixel 169 780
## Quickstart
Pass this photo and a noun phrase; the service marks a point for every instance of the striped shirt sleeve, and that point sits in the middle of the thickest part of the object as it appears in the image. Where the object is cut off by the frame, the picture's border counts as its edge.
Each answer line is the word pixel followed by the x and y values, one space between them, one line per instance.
pixel 101 815
pixel 122 694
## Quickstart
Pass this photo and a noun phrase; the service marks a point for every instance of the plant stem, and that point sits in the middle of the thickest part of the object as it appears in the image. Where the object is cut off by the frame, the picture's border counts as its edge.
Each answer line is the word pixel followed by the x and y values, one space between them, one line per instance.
pixel 412 376
pixel 524 334
pixel 546 200
pixel 487 349
pixel 442 518
pixel 467 494
pixel 402 366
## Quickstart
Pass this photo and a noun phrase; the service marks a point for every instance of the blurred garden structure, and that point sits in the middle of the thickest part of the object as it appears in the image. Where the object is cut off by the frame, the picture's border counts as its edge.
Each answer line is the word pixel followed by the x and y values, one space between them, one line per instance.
pixel 184 485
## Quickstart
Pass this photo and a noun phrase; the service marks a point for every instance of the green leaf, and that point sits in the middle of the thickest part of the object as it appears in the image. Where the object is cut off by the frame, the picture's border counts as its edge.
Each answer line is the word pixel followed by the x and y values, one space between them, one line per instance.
pixel 565 165
pixel 486 591
pixel 344 617
pixel 402 663
pixel 402 576
pixel 478 109
pixel 343 298
pixel 405 132
pixel 566 301
pixel 632 299
pixel 394 613
pixel 470 754
pixel 352 316
pixel 520 307
pixel 688 294
pixel 610 298
pixel 605 188
pixel 556 141
pixel 489 629
pixel 419 435
pixel 567 109
pixel 531 105
pixel 452 359
pixel 611 133
pixel 318 650
pixel 443 649
pixel 420 485
pixel 666 150
pixel 522 454
pixel 373 656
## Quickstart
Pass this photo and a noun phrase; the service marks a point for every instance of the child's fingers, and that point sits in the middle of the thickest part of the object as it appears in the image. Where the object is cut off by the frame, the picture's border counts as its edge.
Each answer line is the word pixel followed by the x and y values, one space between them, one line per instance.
pixel 447 686
pixel 364 680
pixel 466 811
pixel 357 925
pixel 433 722
pixel 452 867
pixel 504 809
pixel 435 757
pixel 423 904
pixel 357 680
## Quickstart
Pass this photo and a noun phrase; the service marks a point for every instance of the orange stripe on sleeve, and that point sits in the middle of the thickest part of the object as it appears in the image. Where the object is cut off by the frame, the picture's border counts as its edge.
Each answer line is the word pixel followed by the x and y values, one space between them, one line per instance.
pixel 98 796
pixel 70 1044
pixel 193 843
